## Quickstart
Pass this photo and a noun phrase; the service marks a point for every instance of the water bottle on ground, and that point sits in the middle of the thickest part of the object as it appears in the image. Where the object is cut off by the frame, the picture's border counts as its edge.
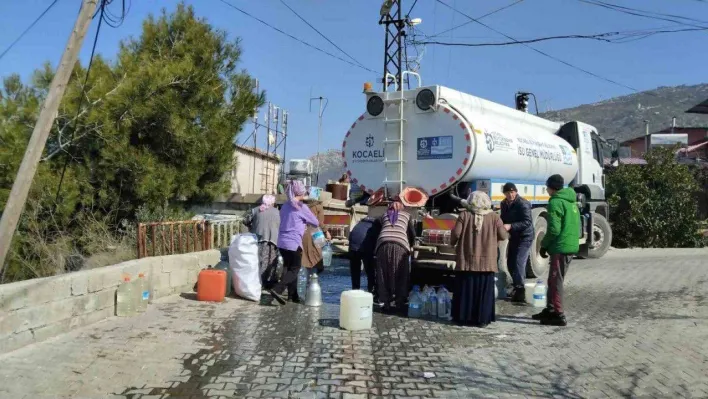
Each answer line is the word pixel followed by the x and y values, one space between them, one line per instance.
pixel 424 299
pixel 327 255
pixel 433 300
pixel 144 291
pixel 314 292
pixel 415 305
pixel 539 295
pixel 302 283
pixel 125 298
pixel 443 300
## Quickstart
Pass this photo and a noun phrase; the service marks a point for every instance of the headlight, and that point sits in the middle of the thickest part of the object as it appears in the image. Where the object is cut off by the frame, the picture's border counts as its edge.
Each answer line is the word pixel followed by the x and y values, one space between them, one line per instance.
pixel 375 106
pixel 425 99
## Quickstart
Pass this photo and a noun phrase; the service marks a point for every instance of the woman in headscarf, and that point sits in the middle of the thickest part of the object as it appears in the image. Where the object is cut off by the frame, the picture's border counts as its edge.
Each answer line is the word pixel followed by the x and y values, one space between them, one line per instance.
pixel 264 222
pixel 477 234
pixel 311 253
pixel 294 217
pixel 393 249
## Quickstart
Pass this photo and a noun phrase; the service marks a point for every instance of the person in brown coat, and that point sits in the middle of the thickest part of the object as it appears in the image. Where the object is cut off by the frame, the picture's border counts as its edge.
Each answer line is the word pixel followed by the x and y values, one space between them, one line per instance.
pixel 476 236
pixel 311 253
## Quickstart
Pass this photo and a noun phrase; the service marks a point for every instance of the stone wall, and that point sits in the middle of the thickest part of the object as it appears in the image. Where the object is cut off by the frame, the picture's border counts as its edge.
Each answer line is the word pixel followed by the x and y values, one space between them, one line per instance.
pixel 35 310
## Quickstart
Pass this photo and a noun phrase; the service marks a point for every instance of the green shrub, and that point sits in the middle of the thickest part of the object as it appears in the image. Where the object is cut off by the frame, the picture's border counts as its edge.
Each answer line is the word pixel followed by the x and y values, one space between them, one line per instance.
pixel 654 205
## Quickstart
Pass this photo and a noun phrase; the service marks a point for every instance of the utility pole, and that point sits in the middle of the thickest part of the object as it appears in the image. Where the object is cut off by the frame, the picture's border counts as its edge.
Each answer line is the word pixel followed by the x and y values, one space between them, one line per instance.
pixel 646 137
pixel 20 188
pixel 393 46
pixel 285 143
pixel 319 132
pixel 255 139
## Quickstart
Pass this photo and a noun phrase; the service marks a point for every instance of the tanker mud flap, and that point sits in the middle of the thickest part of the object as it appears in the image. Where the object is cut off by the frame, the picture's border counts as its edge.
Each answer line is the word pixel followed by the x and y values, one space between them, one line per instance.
pixel 586 239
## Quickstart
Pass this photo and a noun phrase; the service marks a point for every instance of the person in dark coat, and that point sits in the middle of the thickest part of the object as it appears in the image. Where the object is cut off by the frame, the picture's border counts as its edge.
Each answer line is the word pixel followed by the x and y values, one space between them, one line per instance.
pixel 362 242
pixel 476 238
pixel 264 222
pixel 516 215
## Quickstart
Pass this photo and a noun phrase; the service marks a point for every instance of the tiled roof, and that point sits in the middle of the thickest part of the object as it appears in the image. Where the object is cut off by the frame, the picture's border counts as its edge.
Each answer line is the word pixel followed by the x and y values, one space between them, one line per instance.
pixel 258 151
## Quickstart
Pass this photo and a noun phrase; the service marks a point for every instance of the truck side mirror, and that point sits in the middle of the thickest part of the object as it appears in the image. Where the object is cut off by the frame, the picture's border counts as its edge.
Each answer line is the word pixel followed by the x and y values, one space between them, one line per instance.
pixel 614 148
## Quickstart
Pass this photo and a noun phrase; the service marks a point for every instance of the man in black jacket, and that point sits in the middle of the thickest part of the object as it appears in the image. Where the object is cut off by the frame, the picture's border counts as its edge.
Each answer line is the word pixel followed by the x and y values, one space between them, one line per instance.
pixel 516 215
pixel 362 242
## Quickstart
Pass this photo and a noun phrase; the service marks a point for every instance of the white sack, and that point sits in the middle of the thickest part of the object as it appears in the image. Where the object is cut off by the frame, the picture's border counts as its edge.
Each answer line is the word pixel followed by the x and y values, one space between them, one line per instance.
pixel 243 260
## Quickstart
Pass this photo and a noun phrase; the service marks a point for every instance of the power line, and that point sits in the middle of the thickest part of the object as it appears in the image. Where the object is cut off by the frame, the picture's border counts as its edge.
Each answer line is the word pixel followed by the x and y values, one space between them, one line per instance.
pixel 480 17
pixel 541 52
pixel 647 14
pixel 321 34
pixel 599 37
pixel 46 10
pixel 295 38
pixel 112 21
pixel 607 37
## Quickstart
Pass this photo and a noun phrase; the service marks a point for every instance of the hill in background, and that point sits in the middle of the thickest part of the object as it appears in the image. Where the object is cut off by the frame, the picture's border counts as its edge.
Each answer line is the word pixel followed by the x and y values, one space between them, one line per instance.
pixel 620 117
pixel 623 117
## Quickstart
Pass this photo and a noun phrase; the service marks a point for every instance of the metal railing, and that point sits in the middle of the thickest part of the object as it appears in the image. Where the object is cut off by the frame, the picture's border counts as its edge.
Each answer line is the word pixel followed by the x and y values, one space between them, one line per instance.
pixel 221 231
pixel 168 238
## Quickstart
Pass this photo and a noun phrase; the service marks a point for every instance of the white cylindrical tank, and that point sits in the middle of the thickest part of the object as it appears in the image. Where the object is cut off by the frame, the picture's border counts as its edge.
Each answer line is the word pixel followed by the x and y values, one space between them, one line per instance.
pixel 465 139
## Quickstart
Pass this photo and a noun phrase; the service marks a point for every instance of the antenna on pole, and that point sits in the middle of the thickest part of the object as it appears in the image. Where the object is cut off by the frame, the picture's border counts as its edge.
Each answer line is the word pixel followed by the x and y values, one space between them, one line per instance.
pixel 319 129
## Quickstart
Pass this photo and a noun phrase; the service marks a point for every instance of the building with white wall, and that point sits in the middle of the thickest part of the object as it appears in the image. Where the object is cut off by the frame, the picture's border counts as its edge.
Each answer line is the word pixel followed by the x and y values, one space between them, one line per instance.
pixel 255 171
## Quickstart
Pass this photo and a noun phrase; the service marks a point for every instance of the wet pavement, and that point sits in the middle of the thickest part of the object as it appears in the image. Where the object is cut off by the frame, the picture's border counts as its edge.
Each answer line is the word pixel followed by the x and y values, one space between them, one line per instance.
pixel 638 327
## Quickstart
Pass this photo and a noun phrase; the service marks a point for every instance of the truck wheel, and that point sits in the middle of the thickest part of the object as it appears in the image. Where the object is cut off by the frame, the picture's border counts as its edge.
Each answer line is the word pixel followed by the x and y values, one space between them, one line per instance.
pixel 537 266
pixel 602 237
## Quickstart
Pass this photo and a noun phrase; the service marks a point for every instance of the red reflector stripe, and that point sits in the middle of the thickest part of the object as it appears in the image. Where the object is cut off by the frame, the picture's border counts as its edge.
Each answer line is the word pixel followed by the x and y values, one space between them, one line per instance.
pixel 438 224
pixel 336 219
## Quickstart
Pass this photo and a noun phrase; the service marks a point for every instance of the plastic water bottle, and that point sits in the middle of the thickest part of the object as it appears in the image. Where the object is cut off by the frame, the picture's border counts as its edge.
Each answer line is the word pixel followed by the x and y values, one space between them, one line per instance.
pixel 302 283
pixel 415 305
pixel 539 295
pixel 415 290
pixel 125 298
pixel 433 301
pixel 327 255
pixel 424 299
pixel 443 299
pixel 144 293
pixel 318 238
pixel 496 288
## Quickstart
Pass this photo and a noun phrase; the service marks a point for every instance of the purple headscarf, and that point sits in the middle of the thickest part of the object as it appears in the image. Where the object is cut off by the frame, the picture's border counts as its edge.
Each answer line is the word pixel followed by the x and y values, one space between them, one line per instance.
pixel 266 202
pixel 295 189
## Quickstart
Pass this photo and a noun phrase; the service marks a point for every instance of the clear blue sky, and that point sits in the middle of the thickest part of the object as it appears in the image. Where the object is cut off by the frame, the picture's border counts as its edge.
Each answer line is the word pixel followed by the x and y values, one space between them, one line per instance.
pixel 289 71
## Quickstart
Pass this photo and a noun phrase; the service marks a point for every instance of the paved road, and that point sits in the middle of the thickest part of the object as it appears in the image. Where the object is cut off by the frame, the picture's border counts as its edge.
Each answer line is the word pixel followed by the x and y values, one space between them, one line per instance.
pixel 638 327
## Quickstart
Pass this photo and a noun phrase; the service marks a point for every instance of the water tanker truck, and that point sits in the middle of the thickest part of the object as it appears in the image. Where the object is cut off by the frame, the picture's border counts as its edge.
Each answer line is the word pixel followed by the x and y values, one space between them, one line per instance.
pixel 445 143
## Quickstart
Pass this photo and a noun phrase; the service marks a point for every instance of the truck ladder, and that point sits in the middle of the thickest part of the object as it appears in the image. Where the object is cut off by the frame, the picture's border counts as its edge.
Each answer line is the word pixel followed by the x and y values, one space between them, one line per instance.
pixel 394 167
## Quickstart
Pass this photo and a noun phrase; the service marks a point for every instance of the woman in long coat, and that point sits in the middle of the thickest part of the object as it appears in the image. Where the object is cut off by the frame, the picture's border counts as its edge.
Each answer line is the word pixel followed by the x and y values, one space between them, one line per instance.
pixel 264 222
pixel 476 236
pixel 311 253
